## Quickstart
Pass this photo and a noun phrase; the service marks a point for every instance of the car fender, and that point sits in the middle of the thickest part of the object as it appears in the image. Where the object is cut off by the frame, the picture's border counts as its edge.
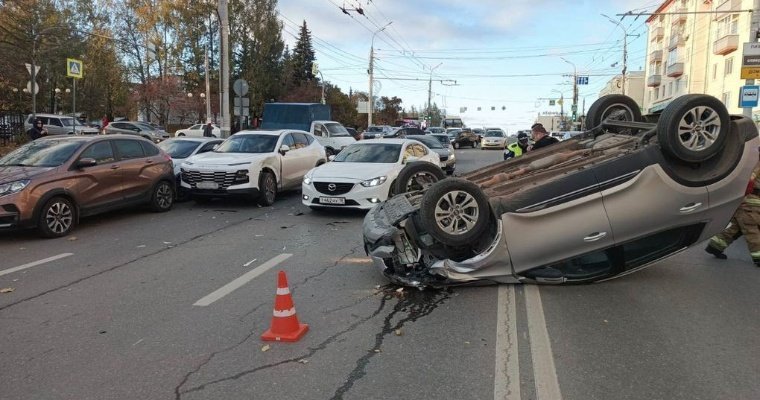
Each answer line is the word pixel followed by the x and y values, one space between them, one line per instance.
pixel 49 195
pixel 271 163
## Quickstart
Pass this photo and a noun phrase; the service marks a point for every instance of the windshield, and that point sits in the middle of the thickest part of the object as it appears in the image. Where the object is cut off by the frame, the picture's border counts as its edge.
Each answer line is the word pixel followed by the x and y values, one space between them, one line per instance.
pixel 428 141
pixel 179 148
pixel 494 134
pixel 41 153
pixel 337 130
pixel 387 153
pixel 248 144
pixel 445 140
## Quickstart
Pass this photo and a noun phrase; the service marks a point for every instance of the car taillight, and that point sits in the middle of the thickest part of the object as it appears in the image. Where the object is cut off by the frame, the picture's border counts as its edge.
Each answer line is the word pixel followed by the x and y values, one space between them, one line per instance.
pixel 166 156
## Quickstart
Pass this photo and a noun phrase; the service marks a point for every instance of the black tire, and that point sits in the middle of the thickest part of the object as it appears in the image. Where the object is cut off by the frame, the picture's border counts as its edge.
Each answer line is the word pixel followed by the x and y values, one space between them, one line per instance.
pixel 617 106
pixel 58 217
pixel 456 145
pixel 455 212
pixel 418 175
pixel 694 128
pixel 180 134
pixel 267 188
pixel 162 198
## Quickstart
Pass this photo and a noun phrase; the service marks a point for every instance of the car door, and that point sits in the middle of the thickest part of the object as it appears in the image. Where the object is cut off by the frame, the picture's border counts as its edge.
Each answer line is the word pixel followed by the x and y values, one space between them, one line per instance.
pixel 305 155
pixel 101 184
pixel 289 166
pixel 55 126
pixel 131 163
pixel 556 222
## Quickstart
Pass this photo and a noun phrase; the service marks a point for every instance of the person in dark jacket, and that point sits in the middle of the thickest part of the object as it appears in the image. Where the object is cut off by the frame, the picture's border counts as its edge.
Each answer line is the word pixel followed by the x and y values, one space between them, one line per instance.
pixel 208 130
pixel 541 137
pixel 38 130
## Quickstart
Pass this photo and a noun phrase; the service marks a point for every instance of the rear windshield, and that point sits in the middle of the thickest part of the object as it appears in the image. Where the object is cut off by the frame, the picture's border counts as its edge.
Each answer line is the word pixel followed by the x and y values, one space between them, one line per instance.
pixel 41 153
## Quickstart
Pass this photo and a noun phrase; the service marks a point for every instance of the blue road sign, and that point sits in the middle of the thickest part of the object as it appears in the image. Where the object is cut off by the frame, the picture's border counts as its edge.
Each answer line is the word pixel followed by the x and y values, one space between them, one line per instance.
pixel 583 80
pixel 748 96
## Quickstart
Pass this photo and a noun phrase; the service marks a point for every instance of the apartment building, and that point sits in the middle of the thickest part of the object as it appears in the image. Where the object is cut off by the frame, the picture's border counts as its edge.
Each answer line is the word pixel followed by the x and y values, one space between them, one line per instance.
pixel 695 46
pixel 635 86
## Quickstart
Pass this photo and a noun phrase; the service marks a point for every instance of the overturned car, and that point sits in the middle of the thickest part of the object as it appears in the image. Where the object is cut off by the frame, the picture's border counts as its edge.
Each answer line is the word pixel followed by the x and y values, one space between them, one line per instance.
pixel 629 192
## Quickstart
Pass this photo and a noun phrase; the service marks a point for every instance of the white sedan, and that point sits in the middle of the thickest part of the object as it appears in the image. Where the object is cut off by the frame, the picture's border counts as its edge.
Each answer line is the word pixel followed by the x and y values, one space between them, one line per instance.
pixel 494 139
pixel 369 172
pixel 253 164
pixel 197 131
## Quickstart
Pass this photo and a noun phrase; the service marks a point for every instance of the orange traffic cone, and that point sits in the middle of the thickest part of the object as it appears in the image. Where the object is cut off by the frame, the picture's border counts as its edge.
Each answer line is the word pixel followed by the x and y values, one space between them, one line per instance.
pixel 285 326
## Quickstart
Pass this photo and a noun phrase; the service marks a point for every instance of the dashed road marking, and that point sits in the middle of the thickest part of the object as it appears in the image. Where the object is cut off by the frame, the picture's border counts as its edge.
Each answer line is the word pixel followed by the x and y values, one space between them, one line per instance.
pixel 35 263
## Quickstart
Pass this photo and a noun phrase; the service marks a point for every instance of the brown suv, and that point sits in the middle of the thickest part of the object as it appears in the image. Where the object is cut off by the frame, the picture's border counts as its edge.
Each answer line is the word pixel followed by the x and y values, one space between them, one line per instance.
pixel 49 183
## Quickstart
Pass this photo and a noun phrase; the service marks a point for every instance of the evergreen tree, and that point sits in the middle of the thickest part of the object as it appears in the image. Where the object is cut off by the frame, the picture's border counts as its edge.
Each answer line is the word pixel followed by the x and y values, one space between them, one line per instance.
pixel 303 57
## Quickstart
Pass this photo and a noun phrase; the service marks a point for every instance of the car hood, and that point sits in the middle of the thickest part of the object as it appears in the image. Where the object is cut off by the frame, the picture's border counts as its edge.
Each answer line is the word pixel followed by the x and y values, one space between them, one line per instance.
pixel 212 158
pixel 352 170
pixel 10 174
pixel 442 152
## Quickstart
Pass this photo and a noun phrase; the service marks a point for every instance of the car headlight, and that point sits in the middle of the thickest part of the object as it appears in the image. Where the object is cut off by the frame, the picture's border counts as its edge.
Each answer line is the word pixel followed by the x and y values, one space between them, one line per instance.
pixel 13 187
pixel 307 179
pixel 374 181
pixel 241 176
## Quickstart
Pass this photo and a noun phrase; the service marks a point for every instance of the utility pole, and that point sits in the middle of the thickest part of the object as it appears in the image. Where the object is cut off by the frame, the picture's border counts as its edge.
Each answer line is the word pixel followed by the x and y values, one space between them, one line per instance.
pixel 625 49
pixel 575 90
pixel 371 73
pixel 225 68
pixel 754 34
pixel 208 84
pixel 430 87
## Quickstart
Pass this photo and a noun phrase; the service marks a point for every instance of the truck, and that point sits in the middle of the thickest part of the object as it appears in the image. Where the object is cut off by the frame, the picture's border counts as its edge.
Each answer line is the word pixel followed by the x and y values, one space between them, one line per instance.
pixel 310 117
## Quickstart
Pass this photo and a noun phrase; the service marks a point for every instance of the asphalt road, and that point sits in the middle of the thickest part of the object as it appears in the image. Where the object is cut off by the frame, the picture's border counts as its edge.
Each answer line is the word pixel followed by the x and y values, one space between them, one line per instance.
pixel 124 309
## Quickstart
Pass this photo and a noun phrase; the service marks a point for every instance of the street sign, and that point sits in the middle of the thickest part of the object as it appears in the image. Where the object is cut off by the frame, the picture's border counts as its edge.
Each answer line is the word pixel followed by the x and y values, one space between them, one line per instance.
pixel 245 100
pixel 362 107
pixel 583 80
pixel 240 87
pixel 241 112
pixel 36 69
pixel 751 61
pixel 29 88
pixel 748 96
pixel 551 102
pixel 74 68
pixel 314 69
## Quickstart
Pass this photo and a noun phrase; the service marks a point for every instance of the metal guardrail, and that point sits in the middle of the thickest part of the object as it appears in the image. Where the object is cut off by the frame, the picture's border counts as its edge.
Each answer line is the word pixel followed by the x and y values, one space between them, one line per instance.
pixel 11 127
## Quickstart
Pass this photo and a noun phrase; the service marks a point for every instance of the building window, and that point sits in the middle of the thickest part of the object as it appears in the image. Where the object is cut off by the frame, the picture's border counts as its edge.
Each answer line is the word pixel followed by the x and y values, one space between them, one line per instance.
pixel 726 98
pixel 715 71
pixel 676 86
pixel 728 25
pixel 673 56
pixel 729 66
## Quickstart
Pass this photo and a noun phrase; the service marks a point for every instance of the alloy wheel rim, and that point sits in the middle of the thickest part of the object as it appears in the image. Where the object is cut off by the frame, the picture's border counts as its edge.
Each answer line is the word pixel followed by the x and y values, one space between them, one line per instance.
pixel 164 196
pixel 699 128
pixel 456 212
pixel 59 217
pixel 420 181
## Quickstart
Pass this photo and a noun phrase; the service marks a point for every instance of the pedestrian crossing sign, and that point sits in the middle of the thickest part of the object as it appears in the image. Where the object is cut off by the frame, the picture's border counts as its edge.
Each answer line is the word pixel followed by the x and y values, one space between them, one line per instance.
pixel 74 68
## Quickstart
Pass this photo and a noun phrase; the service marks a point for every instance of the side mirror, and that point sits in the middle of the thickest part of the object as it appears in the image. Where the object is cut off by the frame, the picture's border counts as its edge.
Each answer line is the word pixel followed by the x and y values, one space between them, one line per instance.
pixel 86 162
pixel 284 149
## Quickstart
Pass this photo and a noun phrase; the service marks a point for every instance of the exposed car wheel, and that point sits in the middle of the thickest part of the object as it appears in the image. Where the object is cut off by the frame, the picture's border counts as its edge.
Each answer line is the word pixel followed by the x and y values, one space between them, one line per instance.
pixel 694 127
pixel 616 107
pixel 57 218
pixel 417 176
pixel 162 199
pixel 267 189
pixel 455 212
pixel 456 145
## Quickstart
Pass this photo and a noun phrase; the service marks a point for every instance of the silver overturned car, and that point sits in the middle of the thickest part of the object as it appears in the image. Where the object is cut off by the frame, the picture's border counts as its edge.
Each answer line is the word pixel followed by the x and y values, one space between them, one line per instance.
pixel 623 195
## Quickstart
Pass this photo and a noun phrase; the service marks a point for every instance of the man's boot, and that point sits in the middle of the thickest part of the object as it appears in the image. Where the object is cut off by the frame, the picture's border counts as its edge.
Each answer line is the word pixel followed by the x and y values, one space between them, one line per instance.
pixel 717 253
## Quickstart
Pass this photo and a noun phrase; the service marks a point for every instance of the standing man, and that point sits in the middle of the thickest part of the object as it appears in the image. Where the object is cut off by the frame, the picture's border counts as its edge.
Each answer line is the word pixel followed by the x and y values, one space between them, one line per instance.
pixel 746 221
pixel 541 137
pixel 208 130
pixel 517 148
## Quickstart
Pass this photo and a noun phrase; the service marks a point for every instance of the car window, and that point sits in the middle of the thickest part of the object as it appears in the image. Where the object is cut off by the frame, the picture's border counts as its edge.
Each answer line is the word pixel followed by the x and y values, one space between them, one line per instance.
pixel 195 127
pixel 41 153
pixel 309 139
pixel 178 148
pixel 129 149
pixel 387 153
pixel 300 140
pixel 288 141
pixel 257 143
pixel 55 122
pixel 149 148
pixel 102 152
pixel 318 130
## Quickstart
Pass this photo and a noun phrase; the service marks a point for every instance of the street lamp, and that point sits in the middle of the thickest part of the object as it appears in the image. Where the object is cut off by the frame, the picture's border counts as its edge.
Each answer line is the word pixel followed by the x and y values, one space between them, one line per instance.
pixel 575 88
pixel 625 47
pixel 430 86
pixel 371 66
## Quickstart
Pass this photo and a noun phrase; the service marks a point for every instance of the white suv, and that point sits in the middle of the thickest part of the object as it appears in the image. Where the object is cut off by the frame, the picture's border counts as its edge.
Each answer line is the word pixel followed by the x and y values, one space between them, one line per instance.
pixel 255 164
pixel 60 125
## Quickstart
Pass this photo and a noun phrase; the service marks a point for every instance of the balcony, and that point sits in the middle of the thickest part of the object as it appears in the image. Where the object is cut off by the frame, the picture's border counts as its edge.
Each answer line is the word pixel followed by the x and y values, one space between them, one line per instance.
pixel 655 56
pixel 676 40
pixel 674 70
pixel 726 8
pixel 657 33
pixel 679 15
pixel 654 80
pixel 726 44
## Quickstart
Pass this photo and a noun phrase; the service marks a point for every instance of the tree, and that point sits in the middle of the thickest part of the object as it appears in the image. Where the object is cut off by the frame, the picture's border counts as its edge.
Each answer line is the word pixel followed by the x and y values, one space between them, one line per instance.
pixel 389 111
pixel 342 108
pixel 302 59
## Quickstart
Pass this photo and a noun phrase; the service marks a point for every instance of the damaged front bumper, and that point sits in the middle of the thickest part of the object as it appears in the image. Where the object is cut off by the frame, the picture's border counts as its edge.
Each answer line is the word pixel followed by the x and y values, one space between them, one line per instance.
pixel 408 256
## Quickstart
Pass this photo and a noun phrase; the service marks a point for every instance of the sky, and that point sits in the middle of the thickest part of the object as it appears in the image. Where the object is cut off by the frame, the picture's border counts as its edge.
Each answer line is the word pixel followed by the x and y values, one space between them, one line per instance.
pixel 505 54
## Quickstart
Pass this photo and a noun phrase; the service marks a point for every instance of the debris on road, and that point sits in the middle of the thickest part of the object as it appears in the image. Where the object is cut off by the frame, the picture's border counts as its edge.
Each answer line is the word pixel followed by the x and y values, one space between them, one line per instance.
pixel 398 332
pixel 7 290
pixel 303 361
pixel 265 348
pixel 73 238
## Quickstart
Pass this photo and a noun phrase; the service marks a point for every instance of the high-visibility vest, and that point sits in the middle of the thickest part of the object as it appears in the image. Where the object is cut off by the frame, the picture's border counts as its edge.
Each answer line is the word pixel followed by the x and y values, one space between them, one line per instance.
pixel 515 148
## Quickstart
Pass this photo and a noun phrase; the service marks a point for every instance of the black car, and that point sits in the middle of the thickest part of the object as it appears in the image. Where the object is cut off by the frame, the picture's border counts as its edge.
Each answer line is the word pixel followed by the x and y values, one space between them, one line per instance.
pixel 465 138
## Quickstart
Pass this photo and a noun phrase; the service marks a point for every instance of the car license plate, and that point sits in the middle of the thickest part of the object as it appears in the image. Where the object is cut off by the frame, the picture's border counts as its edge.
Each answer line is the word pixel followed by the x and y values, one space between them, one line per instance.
pixel 332 200
pixel 207 185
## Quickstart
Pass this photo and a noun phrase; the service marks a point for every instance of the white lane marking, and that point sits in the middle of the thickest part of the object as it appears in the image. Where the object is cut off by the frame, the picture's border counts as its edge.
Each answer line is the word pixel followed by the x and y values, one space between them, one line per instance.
pixel 507 373
pixel 544 372
pixel 240 281
pixel 250 262
pixel 35 263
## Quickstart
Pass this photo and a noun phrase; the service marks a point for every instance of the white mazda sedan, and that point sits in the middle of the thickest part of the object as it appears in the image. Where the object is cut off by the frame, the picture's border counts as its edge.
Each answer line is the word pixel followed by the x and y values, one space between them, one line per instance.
pixel 253 164
pixel 369 172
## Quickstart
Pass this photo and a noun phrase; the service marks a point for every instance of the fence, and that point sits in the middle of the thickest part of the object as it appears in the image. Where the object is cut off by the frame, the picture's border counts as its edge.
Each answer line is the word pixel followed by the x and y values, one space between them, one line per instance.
pixel 11 127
